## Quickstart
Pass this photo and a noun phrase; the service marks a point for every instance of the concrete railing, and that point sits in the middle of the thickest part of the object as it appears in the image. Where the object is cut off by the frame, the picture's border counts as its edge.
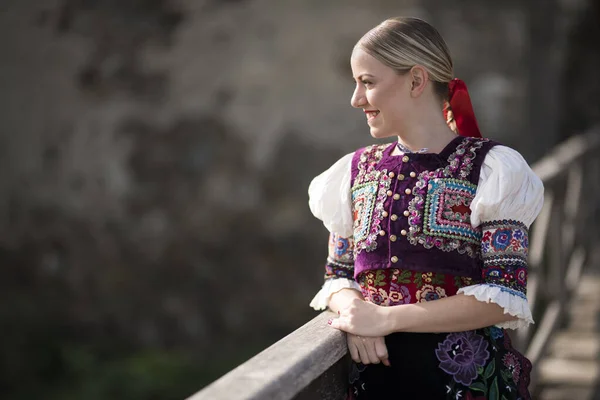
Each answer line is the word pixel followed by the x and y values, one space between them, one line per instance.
pixel 312 362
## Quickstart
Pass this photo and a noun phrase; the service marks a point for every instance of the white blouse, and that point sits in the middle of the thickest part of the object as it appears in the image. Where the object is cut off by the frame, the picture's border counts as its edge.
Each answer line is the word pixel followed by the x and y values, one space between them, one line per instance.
pixel 507 189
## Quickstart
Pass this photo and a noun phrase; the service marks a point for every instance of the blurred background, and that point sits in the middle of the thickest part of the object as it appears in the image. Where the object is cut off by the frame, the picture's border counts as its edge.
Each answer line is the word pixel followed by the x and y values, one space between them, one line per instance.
pixel 155 157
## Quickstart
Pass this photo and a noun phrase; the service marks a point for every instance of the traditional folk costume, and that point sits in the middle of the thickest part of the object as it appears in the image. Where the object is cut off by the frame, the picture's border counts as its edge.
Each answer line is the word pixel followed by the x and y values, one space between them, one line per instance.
pixel 420 226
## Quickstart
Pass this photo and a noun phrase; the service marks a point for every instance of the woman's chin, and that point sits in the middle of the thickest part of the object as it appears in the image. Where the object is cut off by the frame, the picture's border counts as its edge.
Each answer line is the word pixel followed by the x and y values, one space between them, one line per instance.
pixel 380 133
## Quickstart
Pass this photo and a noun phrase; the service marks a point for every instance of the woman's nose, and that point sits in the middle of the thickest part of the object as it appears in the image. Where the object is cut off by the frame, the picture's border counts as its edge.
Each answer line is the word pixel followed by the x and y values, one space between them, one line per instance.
pixel 358 98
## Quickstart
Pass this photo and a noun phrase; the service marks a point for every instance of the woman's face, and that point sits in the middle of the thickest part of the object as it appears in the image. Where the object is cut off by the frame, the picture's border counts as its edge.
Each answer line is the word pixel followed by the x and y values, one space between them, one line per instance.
pixel 382 93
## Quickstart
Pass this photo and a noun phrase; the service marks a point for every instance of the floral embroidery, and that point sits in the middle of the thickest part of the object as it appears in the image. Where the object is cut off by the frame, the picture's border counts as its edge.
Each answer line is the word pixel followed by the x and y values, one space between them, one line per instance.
pixel 340 260
pixel 380 288
pixel 462 281
pixel 399 295
pixel 341 248
pixel 428 277
pixel 504 251
pixel 337 270
pixel 506 236
pixel 429 293
pixel 495 379
pixel 525 365
pixel 496 333
pixel 511 362
pixel 439 214
pixel 461 354
pixel 369 193
pixel 390 287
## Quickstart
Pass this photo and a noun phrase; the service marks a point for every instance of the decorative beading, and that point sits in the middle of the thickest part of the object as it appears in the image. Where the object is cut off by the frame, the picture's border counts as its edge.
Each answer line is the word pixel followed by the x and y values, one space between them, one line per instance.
pixel 369 193
pixel 439 213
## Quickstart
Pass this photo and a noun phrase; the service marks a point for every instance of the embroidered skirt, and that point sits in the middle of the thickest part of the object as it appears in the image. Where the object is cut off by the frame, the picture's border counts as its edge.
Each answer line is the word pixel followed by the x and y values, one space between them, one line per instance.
pixel 471 365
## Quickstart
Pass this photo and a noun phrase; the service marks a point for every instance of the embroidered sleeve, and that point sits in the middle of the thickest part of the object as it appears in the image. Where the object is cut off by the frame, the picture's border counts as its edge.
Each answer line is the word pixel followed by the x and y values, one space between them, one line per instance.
pixel 339 270
pixel 509 197
pixel 329 197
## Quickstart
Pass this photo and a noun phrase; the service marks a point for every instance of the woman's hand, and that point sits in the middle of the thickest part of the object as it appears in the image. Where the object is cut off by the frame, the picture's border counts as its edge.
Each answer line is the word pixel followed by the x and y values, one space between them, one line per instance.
pixel 368 350
pixel 363 318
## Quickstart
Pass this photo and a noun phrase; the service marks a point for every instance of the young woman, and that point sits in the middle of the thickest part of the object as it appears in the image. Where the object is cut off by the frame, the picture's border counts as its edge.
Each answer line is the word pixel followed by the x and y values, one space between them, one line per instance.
pixel 428 242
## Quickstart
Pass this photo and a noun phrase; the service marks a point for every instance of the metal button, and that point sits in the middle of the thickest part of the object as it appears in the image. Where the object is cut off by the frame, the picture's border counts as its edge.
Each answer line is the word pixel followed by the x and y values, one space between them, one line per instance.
pixel 394 217
pixel 393 238
pixel 413 174
pixel 401 177
pixel 392 174
pixel 406 213
pixel 385 214
pixel 405 159
pixel 403 232
pixel 382 233
pixel 389 193
pixel 407 191
pixel 394 259
pixel 396 196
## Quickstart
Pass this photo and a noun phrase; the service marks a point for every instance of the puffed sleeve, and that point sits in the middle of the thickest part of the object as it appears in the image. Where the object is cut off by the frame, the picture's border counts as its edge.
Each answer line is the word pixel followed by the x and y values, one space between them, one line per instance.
pixel 330 201
pixel 508 199
pixel 339 270
pixel 329 197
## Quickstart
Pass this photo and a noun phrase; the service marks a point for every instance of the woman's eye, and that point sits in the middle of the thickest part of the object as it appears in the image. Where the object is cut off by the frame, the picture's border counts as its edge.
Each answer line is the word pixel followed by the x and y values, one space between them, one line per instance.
pixel 366 83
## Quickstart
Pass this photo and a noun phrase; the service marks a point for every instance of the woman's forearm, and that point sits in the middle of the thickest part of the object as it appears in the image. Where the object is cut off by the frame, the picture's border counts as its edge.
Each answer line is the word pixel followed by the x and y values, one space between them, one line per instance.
pixel 340 300
pixel 450 314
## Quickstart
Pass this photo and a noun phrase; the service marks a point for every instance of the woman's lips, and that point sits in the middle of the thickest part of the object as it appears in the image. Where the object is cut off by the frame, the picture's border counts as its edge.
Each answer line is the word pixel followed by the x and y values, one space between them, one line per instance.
pixel 371 114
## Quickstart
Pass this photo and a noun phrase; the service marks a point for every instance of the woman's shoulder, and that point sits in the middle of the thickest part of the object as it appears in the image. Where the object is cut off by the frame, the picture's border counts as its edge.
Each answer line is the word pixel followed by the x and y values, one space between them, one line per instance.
pixel 508 188
pixel 507 159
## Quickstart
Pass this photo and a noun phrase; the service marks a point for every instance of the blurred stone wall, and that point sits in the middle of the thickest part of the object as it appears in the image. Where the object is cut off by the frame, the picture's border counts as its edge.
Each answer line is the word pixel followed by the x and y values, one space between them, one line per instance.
pixel 155 155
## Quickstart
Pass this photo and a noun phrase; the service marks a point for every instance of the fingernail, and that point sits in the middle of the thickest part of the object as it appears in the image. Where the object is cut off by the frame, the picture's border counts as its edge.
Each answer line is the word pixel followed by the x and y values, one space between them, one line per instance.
pixel 329 322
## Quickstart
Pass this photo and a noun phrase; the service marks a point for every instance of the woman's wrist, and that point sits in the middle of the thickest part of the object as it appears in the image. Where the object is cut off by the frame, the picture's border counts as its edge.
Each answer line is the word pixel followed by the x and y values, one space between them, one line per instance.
pixel 342 298
pixel 396 317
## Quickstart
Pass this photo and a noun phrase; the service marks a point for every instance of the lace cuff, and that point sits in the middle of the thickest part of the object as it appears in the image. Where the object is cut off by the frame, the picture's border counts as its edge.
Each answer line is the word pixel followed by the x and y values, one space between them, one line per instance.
pixel 513 302
pixel 331 286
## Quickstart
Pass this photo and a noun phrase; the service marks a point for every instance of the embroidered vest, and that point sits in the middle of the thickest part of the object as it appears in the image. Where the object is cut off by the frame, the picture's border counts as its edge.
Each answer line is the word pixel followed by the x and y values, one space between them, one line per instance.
pixel 412 212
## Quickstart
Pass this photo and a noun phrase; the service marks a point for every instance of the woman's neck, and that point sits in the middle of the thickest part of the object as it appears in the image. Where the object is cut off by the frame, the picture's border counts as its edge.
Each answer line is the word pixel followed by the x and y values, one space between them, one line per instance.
pixel 431 136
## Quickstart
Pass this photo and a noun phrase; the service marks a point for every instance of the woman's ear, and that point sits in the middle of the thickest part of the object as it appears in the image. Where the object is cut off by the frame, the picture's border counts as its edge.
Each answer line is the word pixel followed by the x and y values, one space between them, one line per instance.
pixel 419 77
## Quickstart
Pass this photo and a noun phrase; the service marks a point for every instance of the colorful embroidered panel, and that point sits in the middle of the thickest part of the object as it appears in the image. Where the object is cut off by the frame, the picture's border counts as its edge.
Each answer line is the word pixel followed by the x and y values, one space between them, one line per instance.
pixel 340 260
pixel 439 214
pixel 479 364
pixel 483 365
pixel 369 192
pixel 363 204
pixel 447 213
pixel 390 287
pixel 504 248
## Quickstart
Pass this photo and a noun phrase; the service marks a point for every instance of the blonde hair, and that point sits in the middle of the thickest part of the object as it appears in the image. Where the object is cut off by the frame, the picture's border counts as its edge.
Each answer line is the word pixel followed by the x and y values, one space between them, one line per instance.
pixel 403 42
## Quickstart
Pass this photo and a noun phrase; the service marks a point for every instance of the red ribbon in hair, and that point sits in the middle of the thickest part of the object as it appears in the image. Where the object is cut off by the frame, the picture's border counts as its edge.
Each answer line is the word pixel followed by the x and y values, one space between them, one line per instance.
pixel 462 109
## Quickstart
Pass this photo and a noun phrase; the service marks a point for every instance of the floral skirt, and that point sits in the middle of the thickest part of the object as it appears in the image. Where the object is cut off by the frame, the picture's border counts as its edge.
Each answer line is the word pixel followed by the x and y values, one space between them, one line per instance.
pixel 471 365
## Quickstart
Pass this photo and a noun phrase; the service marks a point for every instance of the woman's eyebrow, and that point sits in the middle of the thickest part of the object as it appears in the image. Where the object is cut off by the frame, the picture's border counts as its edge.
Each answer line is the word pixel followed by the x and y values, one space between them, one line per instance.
pixel 364 75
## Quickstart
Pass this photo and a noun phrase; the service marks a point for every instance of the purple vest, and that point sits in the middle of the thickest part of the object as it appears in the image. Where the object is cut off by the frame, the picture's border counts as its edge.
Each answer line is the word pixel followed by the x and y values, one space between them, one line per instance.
pixel 412 211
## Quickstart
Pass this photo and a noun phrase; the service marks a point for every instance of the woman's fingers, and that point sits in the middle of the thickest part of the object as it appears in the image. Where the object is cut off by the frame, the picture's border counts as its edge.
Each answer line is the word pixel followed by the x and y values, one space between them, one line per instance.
pixel 353 350
pixel 371 352
pixel 382 351
pixel 362 350
pixel 368 350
